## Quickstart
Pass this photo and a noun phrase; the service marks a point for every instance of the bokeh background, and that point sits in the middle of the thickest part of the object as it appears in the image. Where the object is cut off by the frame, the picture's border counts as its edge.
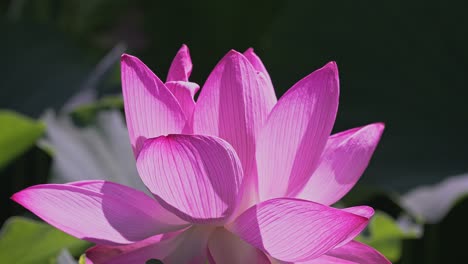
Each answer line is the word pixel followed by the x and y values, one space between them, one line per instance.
pixel 404 63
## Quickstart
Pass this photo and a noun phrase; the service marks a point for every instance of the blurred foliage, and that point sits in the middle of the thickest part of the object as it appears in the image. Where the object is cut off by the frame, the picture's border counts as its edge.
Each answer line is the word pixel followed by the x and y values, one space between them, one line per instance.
pixel 86 113
pixel 25 241
pixel 400 240
pixel 18 133
pixel 441 242
pixel 21 163
pixel 386 236
pixel 82 259
pixel 375 197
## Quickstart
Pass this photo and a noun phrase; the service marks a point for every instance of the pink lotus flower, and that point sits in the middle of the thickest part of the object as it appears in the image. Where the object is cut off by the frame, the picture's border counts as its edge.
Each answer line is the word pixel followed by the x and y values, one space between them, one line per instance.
pixel 237 177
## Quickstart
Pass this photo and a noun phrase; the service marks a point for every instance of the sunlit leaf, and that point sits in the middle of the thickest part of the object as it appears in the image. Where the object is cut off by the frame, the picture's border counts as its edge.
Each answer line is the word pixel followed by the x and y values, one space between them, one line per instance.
pixel 82 259
pixel 385 235
pixel 17 134
pixel 24 241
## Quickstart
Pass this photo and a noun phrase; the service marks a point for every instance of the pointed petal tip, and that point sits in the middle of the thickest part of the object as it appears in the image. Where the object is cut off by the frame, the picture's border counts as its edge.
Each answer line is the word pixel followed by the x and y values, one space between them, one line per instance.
pixel 233 56
pixel 16 197
pixel 250 50
pixel 60 204
pixel 364 211
pixel 181 66
pixel 379 128
pixel 255 60
pixel 19 197
pixel 380 125
pixel 332 66
pixel 184 49
pixel 124 58
pixel 353 252
pixel 370 134
pixel 233 53
pixel 370 211
pixel 375 129
pixel 132 61
pixel 328 71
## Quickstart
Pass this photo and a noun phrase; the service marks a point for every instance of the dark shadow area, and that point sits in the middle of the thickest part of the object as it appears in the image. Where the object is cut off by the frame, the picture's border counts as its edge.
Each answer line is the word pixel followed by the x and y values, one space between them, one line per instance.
pixel 29 169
